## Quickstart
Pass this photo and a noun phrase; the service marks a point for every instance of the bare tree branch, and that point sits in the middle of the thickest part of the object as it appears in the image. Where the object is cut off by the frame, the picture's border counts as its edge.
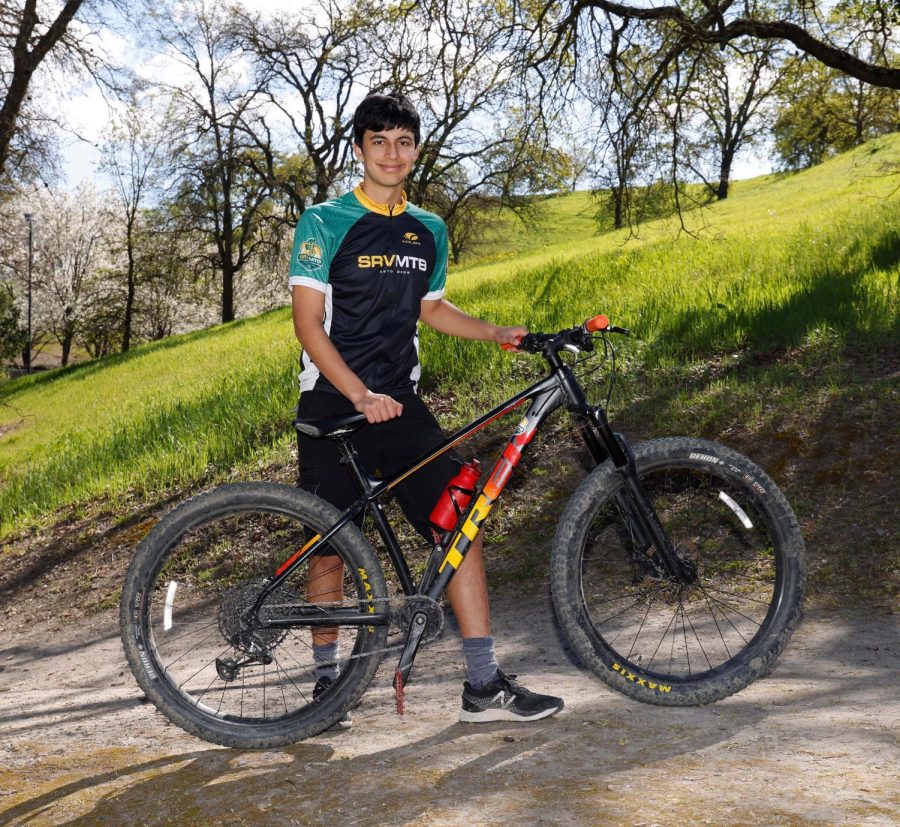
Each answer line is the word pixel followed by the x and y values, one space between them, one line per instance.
pixel 712 28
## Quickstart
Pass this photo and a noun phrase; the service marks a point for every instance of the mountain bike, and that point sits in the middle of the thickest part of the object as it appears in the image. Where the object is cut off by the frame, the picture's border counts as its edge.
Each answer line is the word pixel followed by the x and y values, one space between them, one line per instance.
pixel 677 573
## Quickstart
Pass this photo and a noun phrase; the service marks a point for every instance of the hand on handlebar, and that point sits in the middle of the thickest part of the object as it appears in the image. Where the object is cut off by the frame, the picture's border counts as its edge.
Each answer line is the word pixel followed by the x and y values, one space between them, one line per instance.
pixel 509 337
pixel 581 336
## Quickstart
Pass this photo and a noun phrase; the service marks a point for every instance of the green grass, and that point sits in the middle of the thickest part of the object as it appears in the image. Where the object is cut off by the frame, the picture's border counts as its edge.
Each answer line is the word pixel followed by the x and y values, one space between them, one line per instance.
pixel 783 258
pixel 552 221
pixel 808 261
pixel 159 415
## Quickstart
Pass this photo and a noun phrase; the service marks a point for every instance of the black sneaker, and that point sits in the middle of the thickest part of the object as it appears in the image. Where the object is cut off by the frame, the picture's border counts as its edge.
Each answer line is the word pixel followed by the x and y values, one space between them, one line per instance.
pixel 322 684
pixel 505 700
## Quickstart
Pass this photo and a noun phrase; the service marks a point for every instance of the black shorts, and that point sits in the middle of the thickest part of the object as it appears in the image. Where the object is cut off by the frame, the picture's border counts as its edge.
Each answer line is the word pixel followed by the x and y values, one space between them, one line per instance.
pixel 384 450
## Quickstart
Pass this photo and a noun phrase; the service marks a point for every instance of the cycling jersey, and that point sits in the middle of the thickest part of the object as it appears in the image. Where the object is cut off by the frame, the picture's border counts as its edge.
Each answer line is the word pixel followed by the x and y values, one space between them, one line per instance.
pixel 375 265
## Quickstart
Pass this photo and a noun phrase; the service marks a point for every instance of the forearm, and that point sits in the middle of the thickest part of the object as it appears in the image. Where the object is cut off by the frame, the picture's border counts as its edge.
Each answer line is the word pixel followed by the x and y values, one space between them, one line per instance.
pixel 447 318
pixel 308 309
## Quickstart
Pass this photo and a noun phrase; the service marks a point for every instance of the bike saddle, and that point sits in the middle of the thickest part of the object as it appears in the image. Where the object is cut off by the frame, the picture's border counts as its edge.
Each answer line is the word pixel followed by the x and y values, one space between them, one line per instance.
pixel 330 426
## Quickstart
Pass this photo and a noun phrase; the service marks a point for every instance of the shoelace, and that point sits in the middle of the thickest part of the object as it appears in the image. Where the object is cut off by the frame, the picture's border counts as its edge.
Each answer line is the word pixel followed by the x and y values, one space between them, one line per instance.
pixel 509 682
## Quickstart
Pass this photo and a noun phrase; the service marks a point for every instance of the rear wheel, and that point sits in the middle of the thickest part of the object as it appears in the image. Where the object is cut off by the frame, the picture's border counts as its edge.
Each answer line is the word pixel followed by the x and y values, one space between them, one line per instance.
pixel 184 616
pixel 673 643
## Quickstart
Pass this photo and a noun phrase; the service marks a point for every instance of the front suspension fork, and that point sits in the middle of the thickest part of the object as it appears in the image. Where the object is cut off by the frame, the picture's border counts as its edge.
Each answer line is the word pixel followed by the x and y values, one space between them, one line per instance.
pixel 647 532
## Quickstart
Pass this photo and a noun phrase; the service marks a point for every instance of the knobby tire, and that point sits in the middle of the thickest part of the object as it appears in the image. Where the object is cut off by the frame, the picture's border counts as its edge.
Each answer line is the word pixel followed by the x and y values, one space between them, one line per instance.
pixel 662 642
pixel 191 581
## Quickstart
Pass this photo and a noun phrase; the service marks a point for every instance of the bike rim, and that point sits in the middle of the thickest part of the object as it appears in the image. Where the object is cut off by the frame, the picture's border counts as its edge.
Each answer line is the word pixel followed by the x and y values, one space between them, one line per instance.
pixel 197 642
pixel 675 633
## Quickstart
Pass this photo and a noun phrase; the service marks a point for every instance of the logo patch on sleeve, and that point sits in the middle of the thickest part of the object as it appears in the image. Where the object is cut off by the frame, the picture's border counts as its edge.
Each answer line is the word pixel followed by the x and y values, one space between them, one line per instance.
pixel 310 254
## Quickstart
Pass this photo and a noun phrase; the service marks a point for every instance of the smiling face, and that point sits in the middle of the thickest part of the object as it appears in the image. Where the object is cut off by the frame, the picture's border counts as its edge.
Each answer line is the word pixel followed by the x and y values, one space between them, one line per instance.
pixel 387 157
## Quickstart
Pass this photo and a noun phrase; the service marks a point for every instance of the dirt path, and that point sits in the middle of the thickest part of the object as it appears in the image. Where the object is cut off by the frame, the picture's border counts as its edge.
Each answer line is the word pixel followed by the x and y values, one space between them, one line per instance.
pixel 815 743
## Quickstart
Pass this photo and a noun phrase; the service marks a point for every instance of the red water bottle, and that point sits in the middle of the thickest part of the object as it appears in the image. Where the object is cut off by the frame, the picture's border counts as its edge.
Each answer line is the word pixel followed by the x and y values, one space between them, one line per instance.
pixel 456 496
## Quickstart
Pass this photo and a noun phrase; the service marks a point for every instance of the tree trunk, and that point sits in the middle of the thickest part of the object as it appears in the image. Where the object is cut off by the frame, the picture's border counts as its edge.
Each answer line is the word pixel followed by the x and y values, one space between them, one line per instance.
pixel 129 298
pixel 24 63
pixel 227 292
pixel 725 173
pixel 618 197
pixel 129 312
pixel 67 339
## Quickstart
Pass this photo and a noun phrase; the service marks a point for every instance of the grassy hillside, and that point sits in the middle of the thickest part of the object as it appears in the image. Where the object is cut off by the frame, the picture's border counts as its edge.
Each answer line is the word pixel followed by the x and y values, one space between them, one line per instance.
pixel 807 262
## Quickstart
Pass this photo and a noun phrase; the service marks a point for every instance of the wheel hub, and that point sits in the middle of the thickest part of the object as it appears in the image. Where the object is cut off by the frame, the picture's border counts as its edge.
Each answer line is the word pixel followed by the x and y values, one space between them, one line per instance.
pixel 236 602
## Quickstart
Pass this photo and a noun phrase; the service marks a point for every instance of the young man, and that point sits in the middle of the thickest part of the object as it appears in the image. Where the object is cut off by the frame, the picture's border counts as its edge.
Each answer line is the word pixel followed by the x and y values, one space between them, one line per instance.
pixel 365 269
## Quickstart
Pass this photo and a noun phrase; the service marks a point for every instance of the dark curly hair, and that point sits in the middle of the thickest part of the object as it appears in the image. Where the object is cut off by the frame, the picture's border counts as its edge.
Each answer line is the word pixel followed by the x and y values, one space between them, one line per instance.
pixel 379 111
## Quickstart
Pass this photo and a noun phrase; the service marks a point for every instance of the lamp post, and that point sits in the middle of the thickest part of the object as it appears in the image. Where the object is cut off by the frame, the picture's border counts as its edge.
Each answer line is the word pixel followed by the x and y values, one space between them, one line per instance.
pixel 30 262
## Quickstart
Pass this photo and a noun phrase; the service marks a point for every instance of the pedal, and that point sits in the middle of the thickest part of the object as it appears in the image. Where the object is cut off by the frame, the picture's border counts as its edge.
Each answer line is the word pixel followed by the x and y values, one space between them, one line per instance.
pixel 398 691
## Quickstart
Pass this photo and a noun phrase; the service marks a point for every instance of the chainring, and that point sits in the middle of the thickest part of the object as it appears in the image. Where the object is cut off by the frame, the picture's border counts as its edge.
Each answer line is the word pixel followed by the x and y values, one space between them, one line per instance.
pixel 403 609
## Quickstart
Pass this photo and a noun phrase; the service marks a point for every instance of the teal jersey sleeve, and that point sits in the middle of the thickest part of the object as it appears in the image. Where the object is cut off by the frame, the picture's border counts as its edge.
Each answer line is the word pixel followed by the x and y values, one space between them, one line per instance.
pixel 312 251
pixel 438 280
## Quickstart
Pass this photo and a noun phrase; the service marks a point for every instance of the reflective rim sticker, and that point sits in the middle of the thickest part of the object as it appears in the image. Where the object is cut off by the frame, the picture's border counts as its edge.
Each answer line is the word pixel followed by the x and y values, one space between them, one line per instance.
pixel 170 601
pixel 741 515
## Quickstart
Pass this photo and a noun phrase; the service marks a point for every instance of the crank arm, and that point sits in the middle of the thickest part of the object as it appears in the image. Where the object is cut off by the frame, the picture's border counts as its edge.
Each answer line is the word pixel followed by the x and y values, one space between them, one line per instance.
pixel 413 639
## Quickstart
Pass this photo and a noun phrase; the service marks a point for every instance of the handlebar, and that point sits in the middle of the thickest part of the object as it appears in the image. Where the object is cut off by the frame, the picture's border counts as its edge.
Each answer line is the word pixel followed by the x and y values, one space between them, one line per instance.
pixel 580 337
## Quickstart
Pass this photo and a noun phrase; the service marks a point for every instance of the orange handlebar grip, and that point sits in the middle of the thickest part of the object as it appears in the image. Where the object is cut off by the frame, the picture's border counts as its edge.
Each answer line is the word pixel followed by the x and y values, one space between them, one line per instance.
pixel 509 347
pixel 600 322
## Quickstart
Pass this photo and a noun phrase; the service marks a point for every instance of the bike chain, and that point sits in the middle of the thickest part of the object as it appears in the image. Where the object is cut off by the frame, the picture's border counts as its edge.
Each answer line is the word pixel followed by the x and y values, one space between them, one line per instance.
pixel 397 623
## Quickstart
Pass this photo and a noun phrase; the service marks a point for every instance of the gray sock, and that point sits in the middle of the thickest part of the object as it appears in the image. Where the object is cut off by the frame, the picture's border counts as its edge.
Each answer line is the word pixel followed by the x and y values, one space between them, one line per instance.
pixel 325 657
pixel 481 664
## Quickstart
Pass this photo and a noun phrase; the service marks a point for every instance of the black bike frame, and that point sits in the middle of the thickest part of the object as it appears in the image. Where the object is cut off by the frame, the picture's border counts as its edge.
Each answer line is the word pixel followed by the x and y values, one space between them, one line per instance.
pixel 546 396
pixel 561 386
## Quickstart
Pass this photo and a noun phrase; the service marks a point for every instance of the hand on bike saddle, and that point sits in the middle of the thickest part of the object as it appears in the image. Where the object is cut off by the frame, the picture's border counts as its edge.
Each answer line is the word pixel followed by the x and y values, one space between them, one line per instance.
pixel 378 407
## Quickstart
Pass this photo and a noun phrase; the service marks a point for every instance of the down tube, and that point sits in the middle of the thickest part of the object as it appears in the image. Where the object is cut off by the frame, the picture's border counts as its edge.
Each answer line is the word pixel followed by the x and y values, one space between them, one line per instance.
pixel 539 410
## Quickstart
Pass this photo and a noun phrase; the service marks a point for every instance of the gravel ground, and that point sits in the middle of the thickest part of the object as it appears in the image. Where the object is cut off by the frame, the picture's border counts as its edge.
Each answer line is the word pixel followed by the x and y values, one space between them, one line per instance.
pixel 815 743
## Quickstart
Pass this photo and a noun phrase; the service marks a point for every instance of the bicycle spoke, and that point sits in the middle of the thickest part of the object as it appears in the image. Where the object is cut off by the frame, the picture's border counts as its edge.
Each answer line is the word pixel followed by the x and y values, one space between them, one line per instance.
pixel 291 682
pixel 679 629
pixel 708 587
pixel 696 636
pixel 687 653
pixel 661 639
pixel 202 667
pixel 712 612
pixel 200 697
pixel 222 664
pixel 720 603
pixel 193 648
pixel 171 640
pixel 640 629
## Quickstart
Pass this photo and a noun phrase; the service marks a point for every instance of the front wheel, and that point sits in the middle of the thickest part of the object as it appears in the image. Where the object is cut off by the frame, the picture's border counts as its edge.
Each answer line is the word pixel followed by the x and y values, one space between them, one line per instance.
pixel 675 643
pixel 187 598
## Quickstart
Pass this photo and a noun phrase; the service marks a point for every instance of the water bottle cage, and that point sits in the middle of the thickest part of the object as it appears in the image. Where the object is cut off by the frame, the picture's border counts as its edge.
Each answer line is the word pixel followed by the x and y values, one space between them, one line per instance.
pixel 469 492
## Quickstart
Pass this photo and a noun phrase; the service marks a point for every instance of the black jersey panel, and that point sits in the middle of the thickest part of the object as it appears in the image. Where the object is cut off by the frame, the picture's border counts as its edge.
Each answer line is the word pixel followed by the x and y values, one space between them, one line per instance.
pixel 378 278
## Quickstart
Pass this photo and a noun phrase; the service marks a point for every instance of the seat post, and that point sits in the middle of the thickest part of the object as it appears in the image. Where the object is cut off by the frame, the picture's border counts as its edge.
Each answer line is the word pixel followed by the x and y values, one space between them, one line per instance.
pixel 350 458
